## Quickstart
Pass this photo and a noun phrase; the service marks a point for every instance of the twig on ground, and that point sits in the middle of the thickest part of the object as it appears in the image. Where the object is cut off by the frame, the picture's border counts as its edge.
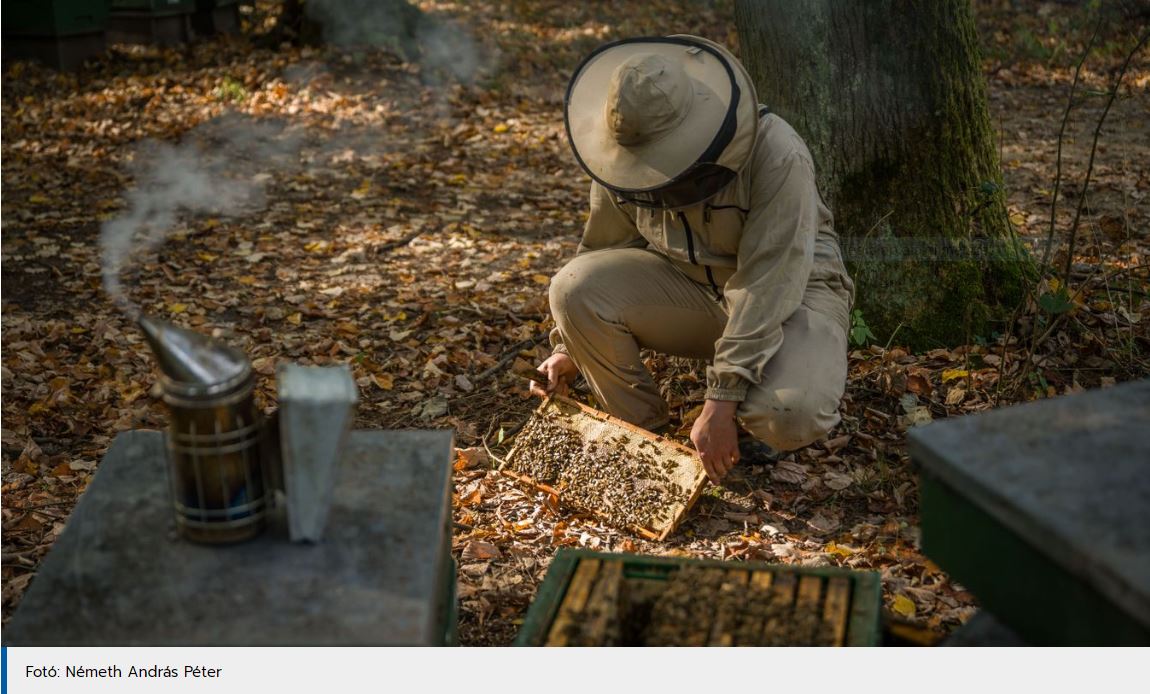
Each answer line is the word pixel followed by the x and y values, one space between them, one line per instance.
pixel 509 356
pixel 47 504
pixel 506 436
pixel 392 245
pixel 491 454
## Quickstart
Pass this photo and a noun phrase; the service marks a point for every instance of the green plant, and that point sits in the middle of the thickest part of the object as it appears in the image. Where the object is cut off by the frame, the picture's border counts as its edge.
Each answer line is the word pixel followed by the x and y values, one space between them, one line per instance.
pixel 860 335
pixel 1056 302
pixel 231 90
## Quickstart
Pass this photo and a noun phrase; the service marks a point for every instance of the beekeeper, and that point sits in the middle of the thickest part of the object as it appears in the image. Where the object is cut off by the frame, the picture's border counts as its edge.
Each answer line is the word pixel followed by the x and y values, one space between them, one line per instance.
pixel 706 238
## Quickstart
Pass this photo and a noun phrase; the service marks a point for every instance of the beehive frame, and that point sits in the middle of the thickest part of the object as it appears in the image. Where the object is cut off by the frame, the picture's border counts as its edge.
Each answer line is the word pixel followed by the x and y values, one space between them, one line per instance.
pixel 591 424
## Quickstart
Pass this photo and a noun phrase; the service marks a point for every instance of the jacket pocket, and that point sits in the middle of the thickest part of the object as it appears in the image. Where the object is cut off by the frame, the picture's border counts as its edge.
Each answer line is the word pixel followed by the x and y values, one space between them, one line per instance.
pixel 723 228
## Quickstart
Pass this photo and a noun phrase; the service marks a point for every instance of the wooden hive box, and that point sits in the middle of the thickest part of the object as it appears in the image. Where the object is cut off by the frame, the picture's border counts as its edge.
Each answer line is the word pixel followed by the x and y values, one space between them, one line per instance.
pixel 598 599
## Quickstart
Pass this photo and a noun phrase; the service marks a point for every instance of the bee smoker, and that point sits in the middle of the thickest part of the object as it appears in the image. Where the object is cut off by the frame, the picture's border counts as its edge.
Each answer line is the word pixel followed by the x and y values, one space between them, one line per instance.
pixel 219 484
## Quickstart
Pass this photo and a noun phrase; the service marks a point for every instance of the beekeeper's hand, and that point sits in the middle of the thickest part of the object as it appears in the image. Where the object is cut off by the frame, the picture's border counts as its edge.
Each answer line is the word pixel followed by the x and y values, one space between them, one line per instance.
pixel 556 375
pixel 716 438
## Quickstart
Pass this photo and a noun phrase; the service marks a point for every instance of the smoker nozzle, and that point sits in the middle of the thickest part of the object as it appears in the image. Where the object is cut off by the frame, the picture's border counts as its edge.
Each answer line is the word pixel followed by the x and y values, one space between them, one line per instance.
pixel 193 360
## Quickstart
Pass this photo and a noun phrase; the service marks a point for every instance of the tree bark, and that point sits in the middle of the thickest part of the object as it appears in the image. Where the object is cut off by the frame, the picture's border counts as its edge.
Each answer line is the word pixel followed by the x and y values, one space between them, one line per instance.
pixel 890 98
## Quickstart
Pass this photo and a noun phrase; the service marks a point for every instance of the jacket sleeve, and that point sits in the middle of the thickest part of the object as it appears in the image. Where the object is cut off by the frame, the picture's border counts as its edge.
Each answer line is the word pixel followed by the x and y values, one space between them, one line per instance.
pixel 607 227
pixel 775 257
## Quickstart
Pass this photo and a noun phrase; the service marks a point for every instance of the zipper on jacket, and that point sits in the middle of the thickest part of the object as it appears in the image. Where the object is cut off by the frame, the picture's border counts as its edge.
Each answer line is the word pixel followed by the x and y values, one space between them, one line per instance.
pixel 691 254
pixel 690 239
pixel 714 287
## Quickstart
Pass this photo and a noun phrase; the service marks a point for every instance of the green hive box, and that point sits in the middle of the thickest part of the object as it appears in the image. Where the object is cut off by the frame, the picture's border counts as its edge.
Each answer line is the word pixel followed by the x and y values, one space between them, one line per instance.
pixel 1042 511
pixel 159 22
pixel 594 598
pixel 55 17
pixel 154 7
pixel 216 17
pixel 61 33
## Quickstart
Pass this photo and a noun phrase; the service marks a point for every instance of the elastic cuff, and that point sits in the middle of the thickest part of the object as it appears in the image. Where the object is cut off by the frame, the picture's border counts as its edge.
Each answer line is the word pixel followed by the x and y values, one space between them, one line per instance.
pixel 556 339
pixel 736 394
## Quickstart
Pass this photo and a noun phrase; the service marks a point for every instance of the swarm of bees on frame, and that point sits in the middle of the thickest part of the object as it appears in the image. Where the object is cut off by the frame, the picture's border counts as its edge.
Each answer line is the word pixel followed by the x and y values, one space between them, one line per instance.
pixel 627 488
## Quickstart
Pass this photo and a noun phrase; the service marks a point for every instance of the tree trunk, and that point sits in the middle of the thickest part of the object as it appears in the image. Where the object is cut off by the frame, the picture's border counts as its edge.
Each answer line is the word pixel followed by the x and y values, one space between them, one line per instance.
pixel 891 101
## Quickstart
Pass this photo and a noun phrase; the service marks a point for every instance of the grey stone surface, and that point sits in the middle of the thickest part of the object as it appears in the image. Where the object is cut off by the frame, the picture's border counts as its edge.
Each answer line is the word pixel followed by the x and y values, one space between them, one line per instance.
pixel 119 576
pixel 1069 475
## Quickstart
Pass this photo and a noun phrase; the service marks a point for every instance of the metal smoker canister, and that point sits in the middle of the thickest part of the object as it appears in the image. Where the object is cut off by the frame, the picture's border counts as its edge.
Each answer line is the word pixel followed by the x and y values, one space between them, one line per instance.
pixel 219 488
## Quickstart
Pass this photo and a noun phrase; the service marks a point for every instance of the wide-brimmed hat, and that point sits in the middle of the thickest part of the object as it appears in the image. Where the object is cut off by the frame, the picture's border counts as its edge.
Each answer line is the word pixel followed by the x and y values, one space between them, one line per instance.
pixel 644 113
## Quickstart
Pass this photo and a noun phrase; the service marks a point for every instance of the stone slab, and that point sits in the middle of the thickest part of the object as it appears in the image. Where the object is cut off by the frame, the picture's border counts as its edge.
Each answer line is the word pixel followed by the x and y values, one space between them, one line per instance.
pixel 1070 476
pixel 119 576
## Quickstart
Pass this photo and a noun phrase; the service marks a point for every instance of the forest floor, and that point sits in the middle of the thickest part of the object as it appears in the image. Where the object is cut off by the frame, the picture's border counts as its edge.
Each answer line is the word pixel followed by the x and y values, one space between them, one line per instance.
pixel 345 206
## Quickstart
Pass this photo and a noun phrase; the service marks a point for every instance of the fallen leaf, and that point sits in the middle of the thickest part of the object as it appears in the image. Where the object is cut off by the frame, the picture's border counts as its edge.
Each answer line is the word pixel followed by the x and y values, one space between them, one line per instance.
pixel 949 375
pixel 840 550
pixel 789 472
pixel 30 522
pixel 783 550
pixel 823 524
pixel 29 460
pixel 436 407
pixel 466 458
pixel 903 605
pixel 837 481
pixel 768 529
pixel 478 550
pixel 837 442
pixel 918 384
pixel 916 417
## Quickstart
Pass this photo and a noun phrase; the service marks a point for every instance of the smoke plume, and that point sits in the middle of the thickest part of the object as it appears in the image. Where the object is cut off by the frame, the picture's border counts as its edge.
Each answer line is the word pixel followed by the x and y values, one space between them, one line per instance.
pixel 218 169
pixel 444 49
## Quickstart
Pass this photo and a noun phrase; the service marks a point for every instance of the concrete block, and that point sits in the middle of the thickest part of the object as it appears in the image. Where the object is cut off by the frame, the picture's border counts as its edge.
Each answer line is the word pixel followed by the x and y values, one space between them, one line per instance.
pixel 119 576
